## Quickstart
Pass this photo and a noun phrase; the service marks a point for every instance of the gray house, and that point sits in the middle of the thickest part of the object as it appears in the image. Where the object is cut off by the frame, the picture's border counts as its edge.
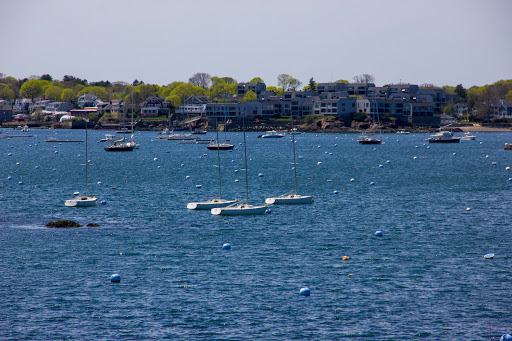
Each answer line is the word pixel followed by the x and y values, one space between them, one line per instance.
pixel 6 113
pixel 244 88
pixel 87 100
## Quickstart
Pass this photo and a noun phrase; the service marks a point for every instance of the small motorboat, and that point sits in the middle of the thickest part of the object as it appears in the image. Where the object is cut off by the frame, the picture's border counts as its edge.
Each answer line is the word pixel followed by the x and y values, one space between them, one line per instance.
pixel 220 146
pixel 467 136
pixel 369 139
pixel 508 146
pixel 272 134
pixel 443 137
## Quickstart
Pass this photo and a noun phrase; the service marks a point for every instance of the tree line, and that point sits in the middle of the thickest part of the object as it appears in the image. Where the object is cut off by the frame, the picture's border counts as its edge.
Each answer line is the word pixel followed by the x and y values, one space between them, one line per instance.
pixel 218 89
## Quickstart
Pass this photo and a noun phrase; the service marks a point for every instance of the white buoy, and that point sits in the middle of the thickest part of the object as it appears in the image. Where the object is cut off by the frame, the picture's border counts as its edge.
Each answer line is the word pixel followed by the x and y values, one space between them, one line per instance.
pixel 226 246
pixel 381 166
pixel 198 186
pixel 10 154
pixel 159 167
pixel 56 152
pixel 417 147
pixel 260 175
pixel 154 159
pixel 505 337
pixel 486 156
pixel 335 192
pixel 468 208
pixel 187 177
pixel 99 182
pixel 37 167
pixel 236 180
pixel 20 183
pixel 330 153
pixel 372 183
pixel 115 278
pixel 489 256
pixel 318 163
pixel 507 168
pixel 17 163
pixel 454 154
pixel 236 170
pixel 305 291
pixel 388 161
pixel 414 158
pixel 182 165
pixel 428 147
pixel 509 179
pixel 9 178
pixel 329 180
pixel 379 234
pixel 494 163
pixel 352 180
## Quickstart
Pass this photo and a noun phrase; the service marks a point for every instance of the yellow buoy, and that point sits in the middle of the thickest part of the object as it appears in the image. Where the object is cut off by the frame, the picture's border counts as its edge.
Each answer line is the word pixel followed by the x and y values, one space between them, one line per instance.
pixel 345 258
pixel 349 275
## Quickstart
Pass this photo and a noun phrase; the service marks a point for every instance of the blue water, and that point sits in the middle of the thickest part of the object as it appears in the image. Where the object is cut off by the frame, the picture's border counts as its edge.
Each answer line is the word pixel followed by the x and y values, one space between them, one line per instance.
pixel 425 279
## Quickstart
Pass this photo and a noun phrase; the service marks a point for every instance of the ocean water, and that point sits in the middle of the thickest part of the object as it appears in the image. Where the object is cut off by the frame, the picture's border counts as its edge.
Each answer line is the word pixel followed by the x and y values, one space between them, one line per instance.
pixel 424 279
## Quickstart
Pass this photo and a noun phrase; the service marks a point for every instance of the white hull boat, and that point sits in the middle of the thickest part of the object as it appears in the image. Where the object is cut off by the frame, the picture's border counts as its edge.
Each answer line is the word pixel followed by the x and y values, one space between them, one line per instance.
pixel 290 199
pixel 81 201
pixel 209 204
pixel 242 209
pixel 467 137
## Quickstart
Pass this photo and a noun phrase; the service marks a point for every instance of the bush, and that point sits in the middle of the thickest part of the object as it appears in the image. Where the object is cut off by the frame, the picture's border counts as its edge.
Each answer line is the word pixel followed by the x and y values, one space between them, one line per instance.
pixel 310 118
pixel 359 116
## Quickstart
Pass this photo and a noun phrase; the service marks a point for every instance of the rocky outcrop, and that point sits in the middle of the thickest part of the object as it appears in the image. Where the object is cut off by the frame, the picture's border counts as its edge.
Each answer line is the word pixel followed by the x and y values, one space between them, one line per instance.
pixel 63 223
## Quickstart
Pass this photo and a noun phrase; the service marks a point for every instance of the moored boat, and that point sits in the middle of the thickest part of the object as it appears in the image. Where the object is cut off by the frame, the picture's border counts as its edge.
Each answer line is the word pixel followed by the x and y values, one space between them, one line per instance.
pixel 443 137
pixel 272 134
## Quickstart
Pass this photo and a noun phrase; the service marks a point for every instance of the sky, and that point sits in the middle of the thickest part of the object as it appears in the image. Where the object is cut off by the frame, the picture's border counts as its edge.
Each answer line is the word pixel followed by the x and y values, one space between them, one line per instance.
pixel 440 42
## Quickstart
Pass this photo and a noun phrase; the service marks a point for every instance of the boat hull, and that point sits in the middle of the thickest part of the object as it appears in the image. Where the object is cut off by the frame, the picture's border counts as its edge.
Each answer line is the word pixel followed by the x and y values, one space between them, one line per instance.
pixel 81 202
pixel 119 148
pixel 222 146
pixel 239 210
pixel 452 140
pixel 209 204
pixel 370 141
pixel 293 199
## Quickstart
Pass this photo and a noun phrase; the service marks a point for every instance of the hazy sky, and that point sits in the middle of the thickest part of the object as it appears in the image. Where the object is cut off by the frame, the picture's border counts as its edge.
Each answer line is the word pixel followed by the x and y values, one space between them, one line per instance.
pixel 444 42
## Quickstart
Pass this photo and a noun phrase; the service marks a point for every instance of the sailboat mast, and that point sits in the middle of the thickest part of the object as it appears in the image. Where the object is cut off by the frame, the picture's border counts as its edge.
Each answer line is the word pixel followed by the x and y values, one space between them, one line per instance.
pixel 245 158
pixel 86 158
pixel 218 157
pixel 124 114
pixel 294 162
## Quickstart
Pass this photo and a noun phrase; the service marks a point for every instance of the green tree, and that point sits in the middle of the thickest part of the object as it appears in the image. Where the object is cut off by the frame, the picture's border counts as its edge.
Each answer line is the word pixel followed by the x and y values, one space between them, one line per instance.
pixel 508 96
pixel 217 91
pixel 310 118
pixel 97 91
pixel 344 81
pixel 312 85
pixel 46 78
pixel 67 95
pixel 53 92
pixel 250 96
pixel 32 88
pixel 6 92
pixel 276 90
pixel 257 80
pixel 460 91
pixel 184 91
pixel 229 80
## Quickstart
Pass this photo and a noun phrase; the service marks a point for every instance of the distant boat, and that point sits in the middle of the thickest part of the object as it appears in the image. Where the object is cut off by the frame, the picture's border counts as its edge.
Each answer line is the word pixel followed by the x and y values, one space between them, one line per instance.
pixel 199 131
pixel 108 137
pixel 54 139
pixel 291 198
pixel 403 132
pixel 467 136
pixel 272 134
pixel 216 145
pixel 369 139
pixel 83 200
pixel 244 208
pixel 443 137
pixel 508 146
pixel 120 145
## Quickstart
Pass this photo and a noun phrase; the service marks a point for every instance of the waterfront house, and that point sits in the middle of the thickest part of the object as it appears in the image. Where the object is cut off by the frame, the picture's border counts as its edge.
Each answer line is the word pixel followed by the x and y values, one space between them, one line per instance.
pixel 155 106
pixel 59 106
pixel 194 105
pixel 21 106
pixel 87 100
pixel 6 113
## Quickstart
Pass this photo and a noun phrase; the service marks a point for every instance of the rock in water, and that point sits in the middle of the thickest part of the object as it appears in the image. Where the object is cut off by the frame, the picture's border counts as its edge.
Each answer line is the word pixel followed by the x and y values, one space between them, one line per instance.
pixel 92 225
pixel 63 223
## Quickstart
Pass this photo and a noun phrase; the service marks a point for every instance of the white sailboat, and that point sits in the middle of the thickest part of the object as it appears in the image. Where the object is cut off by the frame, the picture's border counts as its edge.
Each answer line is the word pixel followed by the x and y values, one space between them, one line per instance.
pixel 291 198
pixel 243 208
pixel 121 145
pixel 83 200
pixel 217 144
pixel 370 138
pixel 212 203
